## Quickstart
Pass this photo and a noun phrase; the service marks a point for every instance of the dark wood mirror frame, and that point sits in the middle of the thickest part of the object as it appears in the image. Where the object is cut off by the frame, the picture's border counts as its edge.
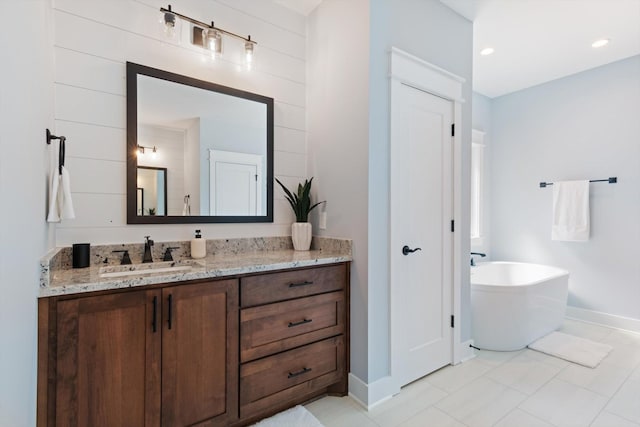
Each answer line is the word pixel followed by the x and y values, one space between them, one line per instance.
pixel 133 70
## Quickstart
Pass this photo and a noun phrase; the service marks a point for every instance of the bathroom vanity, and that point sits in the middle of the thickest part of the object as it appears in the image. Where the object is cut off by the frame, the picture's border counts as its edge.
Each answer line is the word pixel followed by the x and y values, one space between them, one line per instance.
pixel 227 341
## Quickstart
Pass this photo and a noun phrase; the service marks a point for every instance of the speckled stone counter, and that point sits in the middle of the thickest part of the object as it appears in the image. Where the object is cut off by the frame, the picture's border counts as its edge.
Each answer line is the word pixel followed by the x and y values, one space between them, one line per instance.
pixel 226 257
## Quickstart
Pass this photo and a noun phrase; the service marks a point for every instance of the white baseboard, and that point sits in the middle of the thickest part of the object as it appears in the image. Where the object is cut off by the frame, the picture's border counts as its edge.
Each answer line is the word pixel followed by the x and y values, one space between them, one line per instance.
pixel 610 320
pixel 466 352
pixel 358 390
pixel 371 395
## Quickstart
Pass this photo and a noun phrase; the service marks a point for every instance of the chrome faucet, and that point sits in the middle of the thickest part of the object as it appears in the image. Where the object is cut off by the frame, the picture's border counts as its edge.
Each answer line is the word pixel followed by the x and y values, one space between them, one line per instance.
pixel 473 263
pixel 147 249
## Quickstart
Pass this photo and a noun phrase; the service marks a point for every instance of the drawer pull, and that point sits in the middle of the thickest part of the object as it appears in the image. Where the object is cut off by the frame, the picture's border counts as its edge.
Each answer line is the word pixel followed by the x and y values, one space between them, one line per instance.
pixel 297 285
pixel 302 322
pixel 295 374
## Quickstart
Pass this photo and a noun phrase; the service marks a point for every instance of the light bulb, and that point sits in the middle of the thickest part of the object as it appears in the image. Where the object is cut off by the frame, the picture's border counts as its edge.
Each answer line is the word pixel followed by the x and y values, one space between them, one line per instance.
pixel 140 151
pixel 154 154
pixel 170 24
pixel 212 41
pixel 248 54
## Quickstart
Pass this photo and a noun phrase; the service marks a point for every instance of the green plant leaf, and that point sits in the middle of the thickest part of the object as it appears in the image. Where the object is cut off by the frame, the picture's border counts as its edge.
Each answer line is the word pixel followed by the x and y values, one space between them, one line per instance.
pixel 300 200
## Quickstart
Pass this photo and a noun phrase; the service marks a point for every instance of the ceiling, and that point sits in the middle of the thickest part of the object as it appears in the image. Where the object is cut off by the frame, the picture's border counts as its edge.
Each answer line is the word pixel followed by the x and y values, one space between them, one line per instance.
pixel 537 41
pixel 303 7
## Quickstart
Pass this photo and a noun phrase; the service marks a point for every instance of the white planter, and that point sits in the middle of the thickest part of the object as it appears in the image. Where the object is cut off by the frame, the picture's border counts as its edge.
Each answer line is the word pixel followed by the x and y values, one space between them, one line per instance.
pixel 301 236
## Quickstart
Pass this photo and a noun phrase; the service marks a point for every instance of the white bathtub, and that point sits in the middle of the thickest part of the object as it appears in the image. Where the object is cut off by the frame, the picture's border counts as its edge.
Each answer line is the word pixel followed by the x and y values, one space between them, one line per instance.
pixel 514 304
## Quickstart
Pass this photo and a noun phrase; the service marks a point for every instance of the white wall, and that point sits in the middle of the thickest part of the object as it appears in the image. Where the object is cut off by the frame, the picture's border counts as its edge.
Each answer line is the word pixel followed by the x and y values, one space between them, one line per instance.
pixel 481 121
pixel 94 39
pixel 583 126
pixel 26 102
pixel 348 122
pixel 338 64
pixel 192 165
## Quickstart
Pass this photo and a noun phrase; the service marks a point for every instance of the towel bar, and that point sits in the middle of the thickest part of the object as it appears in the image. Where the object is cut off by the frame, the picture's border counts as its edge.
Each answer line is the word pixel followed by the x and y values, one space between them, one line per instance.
pixel 610 180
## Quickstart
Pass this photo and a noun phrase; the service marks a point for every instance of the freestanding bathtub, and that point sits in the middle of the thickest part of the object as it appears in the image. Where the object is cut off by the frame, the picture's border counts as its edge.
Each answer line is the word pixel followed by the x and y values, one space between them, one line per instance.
pixel 514 304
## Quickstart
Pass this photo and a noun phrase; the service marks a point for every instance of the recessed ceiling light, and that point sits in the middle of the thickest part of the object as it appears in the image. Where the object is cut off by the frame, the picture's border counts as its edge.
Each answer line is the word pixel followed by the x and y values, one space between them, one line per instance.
pixel 487 51
pixel 600 43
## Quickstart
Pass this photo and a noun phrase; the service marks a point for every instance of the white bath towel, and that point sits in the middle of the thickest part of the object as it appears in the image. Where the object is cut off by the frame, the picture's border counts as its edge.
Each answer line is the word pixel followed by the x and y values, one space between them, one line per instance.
pixel 60 203
pixel 570 211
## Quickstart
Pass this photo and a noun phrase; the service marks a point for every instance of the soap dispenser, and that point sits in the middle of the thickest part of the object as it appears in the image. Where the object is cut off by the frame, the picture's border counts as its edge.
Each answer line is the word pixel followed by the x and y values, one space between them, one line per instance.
pixel 198 246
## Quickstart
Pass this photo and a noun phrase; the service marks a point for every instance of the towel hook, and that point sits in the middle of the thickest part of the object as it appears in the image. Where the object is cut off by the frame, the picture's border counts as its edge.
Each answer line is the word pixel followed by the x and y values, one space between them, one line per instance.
pixel 51 137
pixel 62 149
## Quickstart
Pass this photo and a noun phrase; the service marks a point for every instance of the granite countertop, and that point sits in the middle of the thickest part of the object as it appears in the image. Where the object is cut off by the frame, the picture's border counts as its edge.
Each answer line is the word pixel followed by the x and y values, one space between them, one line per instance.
pixel 59 279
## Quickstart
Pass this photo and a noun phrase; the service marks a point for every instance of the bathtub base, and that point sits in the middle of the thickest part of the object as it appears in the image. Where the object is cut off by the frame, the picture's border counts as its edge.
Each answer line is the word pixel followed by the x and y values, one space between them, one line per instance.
pixel 508 317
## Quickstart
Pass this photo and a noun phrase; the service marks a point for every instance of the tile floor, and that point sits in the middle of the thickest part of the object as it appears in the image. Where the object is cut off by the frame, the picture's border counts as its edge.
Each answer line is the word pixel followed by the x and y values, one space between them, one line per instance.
pixel 512 389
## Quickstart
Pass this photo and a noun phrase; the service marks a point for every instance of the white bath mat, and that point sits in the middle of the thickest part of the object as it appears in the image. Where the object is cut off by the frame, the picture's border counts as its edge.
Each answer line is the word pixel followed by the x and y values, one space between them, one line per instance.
pixel 294 417
pixel 574 349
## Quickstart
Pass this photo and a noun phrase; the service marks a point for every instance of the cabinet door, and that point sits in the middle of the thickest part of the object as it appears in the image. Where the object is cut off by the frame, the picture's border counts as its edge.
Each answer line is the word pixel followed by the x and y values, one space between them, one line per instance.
pixel 200 354
pixel 108 360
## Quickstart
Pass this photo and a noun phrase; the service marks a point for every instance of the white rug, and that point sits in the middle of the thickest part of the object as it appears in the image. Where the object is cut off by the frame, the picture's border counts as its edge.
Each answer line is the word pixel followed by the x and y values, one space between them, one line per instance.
pixel 574 349
pixel 294 417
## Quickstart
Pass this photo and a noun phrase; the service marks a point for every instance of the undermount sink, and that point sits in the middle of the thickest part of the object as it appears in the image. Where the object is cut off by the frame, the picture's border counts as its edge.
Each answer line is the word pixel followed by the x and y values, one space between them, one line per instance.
pixel 150 268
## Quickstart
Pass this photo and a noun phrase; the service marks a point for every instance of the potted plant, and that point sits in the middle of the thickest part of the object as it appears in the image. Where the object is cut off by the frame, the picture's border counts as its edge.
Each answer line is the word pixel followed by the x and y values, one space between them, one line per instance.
pixel 300 202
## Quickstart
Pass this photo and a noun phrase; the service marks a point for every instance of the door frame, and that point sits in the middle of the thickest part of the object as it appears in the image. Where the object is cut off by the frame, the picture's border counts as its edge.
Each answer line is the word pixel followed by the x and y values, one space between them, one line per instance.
pixel 406 69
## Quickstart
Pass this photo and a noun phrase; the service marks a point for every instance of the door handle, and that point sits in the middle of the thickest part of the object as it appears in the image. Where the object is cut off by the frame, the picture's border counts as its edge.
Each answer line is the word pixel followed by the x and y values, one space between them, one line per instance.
pixel 406 250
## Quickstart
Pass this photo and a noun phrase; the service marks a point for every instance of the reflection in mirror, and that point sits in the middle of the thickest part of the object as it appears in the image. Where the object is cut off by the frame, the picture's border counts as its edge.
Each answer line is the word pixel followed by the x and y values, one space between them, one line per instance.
pixel 214 143
pixel 152 191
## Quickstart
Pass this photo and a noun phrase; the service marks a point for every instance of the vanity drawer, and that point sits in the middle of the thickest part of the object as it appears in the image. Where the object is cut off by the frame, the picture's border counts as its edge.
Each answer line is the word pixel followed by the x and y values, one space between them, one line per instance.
pixel 273 287
pixel 289 375
pixel 277 327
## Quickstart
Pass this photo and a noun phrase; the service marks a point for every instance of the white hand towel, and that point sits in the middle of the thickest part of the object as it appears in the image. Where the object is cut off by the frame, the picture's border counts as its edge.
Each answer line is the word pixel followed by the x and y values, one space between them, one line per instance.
pixel 570 211
pixel 60 203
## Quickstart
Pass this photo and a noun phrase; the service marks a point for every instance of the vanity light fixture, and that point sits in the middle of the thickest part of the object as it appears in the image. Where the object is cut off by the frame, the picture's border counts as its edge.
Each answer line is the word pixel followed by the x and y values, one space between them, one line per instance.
pixel 141 150
pixel 600 43
pixel 487 51
pixel 208 36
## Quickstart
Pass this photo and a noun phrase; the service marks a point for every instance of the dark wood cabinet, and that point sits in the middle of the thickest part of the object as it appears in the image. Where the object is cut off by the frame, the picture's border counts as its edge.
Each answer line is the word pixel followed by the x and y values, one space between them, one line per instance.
pixel 294 334
pixel 223 352
pixel 108 361
pixel 145 358
pixel 199 354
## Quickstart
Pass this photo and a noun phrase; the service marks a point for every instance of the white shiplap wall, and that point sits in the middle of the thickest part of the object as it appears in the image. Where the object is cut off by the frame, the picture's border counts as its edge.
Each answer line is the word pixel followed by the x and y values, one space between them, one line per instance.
pixel 93 41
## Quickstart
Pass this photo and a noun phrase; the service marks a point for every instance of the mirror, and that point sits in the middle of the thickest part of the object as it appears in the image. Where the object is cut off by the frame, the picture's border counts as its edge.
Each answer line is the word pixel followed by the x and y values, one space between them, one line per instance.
pixel 197 152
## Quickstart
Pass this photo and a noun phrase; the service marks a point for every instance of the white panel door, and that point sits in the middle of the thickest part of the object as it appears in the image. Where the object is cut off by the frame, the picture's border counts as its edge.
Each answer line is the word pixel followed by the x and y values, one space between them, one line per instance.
pixel 235 182
pixel 421 213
